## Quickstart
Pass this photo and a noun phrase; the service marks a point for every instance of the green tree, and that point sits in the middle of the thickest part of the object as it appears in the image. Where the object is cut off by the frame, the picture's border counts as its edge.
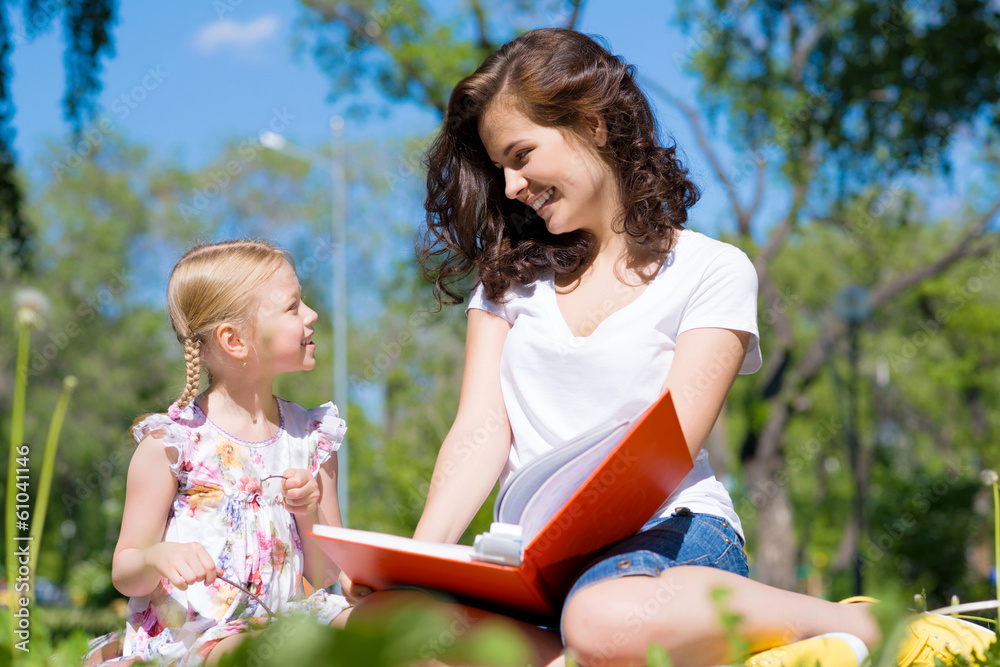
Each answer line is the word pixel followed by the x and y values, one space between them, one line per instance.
pixel 844 114
pixel 87 29
pixel 409 50
pixel 803 86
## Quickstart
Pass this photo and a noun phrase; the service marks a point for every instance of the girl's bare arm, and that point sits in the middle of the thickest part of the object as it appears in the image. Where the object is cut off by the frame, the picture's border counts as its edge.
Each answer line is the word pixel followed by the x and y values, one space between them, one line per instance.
pixel 141 557
pixel 319 569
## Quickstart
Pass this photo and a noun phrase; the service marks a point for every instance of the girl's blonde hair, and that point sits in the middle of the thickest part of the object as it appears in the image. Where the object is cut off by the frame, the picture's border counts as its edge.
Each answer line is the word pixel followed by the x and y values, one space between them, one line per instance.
pixel 214 284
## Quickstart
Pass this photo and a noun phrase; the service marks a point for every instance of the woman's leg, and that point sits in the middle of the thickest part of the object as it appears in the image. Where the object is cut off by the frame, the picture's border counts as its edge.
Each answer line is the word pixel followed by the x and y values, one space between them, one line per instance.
pixel 614 621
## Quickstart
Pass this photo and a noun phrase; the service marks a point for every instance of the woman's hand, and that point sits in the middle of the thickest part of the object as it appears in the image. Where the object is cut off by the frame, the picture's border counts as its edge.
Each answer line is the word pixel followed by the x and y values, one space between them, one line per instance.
pixel 181 563
pixel 301 491
pixel 353 592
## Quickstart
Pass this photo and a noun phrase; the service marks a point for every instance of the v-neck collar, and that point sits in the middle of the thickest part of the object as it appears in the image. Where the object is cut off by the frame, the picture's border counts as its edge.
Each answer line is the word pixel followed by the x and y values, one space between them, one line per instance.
pixel 561 319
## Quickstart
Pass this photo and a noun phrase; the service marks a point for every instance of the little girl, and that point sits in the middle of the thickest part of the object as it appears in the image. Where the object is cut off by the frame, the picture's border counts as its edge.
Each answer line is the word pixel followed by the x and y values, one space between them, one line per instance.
pixel 220 487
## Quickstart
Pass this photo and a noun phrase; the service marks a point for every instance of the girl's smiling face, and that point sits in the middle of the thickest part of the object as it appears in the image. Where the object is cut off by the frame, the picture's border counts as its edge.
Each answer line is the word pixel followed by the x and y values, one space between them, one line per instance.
pixel 564 180
pixel 284 324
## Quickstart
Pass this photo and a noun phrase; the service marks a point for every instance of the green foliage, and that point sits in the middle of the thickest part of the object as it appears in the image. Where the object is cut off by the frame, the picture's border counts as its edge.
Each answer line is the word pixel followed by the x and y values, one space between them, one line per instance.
pixel 989 658
pixel 920 526
pixel 730 622
pixel 408 50
pixel 400 637
pixel 656 656
pixel 879 86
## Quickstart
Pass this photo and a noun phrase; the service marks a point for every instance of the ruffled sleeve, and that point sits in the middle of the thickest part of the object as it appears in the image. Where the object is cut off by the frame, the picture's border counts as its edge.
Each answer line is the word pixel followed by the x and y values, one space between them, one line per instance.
pixel 177 433
pixel 325 434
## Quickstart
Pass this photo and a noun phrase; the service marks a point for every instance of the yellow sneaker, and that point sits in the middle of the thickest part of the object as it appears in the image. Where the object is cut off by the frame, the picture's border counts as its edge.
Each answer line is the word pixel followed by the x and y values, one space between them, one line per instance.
pixel 832 650
pixel 932 635
pixel 859 598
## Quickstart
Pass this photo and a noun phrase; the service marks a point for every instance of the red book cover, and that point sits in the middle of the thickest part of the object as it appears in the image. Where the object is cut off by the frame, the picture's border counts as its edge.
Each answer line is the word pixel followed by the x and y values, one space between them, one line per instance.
pixel 645 466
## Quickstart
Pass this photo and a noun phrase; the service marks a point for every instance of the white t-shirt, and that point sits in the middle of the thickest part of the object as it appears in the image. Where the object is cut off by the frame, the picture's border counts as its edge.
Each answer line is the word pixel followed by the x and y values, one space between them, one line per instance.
pixel 557 386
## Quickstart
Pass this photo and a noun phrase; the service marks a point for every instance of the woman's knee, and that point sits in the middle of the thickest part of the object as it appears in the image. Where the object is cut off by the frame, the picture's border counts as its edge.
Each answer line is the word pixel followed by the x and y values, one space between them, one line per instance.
pixel 603 624
pixel 615 621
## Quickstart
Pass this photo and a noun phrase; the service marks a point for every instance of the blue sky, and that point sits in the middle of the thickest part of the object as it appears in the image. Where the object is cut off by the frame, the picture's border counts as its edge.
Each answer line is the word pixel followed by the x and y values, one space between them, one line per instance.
pixel 184 79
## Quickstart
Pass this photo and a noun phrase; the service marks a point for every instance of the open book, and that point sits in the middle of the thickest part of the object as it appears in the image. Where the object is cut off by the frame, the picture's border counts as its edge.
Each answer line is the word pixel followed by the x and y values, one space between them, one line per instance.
pixel 550 519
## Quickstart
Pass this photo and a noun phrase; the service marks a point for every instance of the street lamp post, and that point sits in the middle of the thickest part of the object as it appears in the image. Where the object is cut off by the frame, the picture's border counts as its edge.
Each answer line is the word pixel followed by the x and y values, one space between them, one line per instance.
pixel 338 225
pixel 853 307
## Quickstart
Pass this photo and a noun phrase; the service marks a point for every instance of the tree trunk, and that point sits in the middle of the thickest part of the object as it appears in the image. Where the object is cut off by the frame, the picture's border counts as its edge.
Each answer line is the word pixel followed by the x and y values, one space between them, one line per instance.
pixel 774 552
pixel 768 503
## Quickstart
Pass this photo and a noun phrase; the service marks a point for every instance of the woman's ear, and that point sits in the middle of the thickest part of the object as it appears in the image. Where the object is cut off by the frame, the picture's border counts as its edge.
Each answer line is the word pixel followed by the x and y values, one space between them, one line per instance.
pixel 230 342
pixel 600 133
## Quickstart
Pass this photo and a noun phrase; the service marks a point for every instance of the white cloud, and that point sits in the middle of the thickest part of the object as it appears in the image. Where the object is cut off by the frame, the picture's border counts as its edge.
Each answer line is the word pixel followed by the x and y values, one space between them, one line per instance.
pixel 230 34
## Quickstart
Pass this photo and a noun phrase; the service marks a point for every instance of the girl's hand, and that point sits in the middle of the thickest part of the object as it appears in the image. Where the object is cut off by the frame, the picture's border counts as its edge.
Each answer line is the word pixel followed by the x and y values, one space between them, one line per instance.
pixel 352 591
pixel 182 563
pixel 301 490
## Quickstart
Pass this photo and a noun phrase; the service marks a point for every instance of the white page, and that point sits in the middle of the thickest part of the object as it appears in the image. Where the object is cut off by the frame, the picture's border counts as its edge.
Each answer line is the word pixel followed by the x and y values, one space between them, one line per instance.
pixel 560 487
pixel 455 552
pixel 515 495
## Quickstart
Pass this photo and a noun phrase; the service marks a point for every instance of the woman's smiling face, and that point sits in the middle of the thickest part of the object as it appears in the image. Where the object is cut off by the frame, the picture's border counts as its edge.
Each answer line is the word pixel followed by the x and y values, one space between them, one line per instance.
pixel 564 180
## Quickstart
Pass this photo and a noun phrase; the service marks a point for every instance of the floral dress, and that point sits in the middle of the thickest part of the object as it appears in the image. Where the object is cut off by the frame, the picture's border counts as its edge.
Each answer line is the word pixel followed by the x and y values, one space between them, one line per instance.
pixel 225 502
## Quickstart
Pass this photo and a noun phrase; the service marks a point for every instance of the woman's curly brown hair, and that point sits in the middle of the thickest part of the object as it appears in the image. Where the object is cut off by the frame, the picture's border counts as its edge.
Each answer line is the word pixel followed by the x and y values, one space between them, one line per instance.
pixel 556 78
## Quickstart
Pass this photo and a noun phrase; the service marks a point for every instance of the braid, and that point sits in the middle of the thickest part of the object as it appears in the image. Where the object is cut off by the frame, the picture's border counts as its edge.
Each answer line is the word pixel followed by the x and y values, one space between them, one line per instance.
pixel 192 362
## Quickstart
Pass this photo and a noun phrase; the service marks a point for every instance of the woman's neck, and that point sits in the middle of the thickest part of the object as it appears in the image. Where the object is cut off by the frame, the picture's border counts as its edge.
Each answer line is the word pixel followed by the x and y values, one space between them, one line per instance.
pixel 614 256
pixel 245 411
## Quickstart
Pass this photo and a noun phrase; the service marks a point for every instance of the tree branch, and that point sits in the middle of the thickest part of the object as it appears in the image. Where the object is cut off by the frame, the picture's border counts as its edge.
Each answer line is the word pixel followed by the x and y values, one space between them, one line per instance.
pixel 742 221
pixel 484 40
pixel 806 43
pixel 835 327
pixel 575 16
pixel 758 194
pixel 332 14
pixel 962 250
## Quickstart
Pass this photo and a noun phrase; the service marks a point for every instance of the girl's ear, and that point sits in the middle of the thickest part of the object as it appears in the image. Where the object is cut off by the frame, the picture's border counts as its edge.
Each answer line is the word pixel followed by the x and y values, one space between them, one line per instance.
pixel 229 340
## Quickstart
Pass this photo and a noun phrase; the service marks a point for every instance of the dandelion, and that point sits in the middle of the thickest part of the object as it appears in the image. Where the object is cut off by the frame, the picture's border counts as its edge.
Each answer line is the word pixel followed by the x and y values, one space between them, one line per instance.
pixel 32 308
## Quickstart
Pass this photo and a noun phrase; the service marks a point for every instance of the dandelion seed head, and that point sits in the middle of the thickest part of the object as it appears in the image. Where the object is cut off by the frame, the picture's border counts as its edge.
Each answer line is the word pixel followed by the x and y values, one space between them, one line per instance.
pixel 32 307
pixel 989 477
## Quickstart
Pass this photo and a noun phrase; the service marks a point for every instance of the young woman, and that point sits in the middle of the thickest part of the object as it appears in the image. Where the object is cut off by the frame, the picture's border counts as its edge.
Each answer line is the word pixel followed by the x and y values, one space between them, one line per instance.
pixel 548 182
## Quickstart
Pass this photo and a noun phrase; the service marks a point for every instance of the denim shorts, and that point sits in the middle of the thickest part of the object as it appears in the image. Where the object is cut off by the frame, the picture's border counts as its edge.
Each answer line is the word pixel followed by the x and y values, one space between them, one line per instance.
pixel 683 538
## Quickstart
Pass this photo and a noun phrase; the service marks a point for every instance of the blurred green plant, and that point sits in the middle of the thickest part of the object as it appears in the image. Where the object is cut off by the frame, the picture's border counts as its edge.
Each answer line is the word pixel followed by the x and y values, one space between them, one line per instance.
pixel 31 307
pixel 992 479
pixel 403 637
pixel 45 477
